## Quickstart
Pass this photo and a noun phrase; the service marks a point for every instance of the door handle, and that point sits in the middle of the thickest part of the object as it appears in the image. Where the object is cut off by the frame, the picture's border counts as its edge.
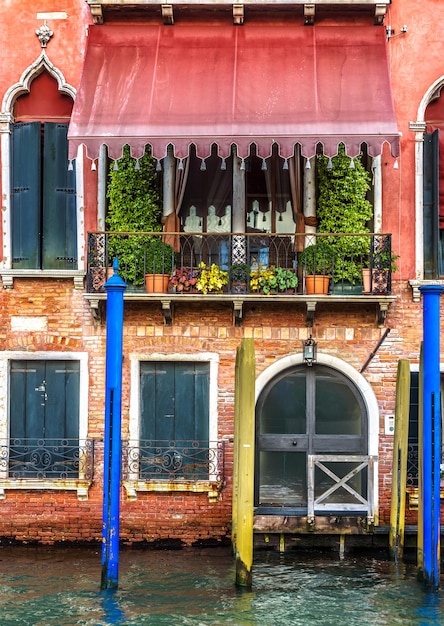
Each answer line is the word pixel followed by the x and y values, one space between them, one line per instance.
pixel 295 443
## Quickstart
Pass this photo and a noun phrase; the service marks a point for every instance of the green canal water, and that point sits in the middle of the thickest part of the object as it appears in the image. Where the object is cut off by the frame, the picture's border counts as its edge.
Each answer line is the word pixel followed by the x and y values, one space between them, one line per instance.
pixel 51 586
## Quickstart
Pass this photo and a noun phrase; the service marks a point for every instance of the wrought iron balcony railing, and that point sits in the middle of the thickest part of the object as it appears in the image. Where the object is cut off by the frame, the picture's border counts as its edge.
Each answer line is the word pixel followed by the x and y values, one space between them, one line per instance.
pixel 173 461
pixel 54 459
pixel 268 262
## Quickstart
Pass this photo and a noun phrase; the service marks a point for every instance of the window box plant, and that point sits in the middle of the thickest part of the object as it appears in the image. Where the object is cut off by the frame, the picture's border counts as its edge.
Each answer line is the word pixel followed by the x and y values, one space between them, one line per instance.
pixel 184 279
pixel 239 274
pixel 159 260
pixel 317 261
pixel 273 279
pixel 211 278
pixel 287 280
pixel 263 279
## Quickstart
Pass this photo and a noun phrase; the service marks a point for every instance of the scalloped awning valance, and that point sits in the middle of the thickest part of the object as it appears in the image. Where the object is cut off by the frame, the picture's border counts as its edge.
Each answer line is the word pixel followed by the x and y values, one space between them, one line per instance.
pixel 219 83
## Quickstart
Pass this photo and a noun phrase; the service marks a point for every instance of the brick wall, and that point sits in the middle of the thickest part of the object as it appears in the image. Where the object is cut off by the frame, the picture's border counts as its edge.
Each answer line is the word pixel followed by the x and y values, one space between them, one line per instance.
pixel 348 332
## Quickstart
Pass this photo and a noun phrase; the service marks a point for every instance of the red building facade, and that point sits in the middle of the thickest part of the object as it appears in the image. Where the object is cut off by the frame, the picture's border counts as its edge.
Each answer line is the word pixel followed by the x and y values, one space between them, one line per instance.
pixel 237 174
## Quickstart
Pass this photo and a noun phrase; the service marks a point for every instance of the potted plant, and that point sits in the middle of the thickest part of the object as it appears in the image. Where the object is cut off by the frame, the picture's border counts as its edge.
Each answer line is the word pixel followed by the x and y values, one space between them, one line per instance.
pixel 211 278
pixel 343 208
pixel 286 279
pixel 239 274
pixel 317 260
pixel 184 279
pixel 159 260
pixel 134 210
pixel 263 279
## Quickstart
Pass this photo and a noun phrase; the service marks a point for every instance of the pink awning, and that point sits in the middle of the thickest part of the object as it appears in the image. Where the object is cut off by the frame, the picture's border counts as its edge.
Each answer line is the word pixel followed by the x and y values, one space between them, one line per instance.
pixel 224 84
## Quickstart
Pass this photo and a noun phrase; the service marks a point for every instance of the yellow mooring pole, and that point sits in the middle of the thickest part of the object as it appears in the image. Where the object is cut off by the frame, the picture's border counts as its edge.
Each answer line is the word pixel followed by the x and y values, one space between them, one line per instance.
pixel 243 479
pixel 399 466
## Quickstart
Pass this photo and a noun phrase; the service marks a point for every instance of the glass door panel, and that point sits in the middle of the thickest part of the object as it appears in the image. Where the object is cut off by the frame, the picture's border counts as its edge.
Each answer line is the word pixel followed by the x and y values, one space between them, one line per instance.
pixel 283 478
pixel 284 408
pixel 337 409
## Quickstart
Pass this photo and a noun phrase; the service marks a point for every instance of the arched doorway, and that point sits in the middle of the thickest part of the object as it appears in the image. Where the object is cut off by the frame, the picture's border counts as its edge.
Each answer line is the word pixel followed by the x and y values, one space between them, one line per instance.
pixel 312 432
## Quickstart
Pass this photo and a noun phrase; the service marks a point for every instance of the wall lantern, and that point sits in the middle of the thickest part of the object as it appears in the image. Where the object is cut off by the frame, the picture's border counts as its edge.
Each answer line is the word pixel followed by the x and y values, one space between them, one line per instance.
pixel 309 349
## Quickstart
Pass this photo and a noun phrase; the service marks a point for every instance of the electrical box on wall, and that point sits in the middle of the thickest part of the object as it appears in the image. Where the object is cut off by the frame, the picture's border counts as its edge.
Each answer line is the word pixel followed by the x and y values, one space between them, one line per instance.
pixel 389 425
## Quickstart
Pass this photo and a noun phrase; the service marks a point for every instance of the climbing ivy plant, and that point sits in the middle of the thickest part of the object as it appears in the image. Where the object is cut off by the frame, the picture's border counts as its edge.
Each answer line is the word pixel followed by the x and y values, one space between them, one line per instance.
pixel 343 208
pixel 134 207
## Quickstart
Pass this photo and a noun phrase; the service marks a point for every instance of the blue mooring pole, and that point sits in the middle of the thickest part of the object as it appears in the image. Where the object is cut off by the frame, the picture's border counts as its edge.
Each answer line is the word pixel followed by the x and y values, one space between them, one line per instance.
pixel 431 434
pixel 115 288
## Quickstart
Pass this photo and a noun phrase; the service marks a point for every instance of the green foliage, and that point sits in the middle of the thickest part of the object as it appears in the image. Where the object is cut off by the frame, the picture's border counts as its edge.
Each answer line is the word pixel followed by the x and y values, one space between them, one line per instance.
pixel 159 257
pixel 134 207
pixel 134 203
pixel 343 208
pixel 286 279
pixel 272 279
pixel 318 258
pixel 239 273
pixel 263 279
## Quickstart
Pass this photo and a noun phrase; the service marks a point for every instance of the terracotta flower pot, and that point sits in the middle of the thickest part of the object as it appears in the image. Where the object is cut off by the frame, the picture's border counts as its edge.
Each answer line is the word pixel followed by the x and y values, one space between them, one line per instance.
pixel 317 284
pixel 156 283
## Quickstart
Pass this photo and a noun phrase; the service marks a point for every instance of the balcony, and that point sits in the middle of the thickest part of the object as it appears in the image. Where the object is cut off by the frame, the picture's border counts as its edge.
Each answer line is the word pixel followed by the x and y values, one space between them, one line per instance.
pixel 355 268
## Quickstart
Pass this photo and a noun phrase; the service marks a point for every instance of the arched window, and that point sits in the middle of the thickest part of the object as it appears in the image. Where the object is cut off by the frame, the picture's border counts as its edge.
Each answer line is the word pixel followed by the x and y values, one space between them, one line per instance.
pixel 43 195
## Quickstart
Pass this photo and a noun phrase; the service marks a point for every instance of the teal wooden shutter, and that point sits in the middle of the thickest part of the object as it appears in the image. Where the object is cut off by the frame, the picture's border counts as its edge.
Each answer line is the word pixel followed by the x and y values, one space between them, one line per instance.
pixel 431 205
pixel 44 405
pixel 26 192
pixel 27 406
pixel 174 400
pixel 59 201
pixel 192 401
pixel 62 399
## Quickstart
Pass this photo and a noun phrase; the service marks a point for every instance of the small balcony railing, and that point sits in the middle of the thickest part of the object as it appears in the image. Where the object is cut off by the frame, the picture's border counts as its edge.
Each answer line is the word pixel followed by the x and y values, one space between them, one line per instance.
pixel 172 461
pixel 53 459
pixel 344 258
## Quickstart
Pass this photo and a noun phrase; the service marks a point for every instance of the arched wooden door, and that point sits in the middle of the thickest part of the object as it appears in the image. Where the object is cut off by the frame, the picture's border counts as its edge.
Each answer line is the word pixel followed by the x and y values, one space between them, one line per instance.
pixel 307 411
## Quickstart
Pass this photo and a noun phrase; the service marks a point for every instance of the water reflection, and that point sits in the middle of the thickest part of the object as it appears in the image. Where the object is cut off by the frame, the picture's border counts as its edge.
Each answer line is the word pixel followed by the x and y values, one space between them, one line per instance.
pixel 112 612
pixel 44 587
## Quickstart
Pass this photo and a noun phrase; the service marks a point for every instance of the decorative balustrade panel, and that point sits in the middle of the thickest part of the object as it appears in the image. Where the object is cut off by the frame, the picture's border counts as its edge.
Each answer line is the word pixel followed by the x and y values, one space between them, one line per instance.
pixel 47 458
pixel 173 461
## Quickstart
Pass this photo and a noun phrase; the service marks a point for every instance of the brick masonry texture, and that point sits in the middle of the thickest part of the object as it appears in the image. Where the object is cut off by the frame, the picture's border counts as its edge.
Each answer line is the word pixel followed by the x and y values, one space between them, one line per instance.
pixel 349 332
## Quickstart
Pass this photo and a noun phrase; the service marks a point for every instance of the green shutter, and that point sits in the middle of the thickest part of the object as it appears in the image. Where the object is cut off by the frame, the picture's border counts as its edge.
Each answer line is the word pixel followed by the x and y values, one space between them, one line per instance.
pixel 27 409
pixel 192 401
pixel 59 201
pixel 26 191
pixel 62 399
pixel 174 401
pixel 44 399
pixel 44 417
pixel 431 204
